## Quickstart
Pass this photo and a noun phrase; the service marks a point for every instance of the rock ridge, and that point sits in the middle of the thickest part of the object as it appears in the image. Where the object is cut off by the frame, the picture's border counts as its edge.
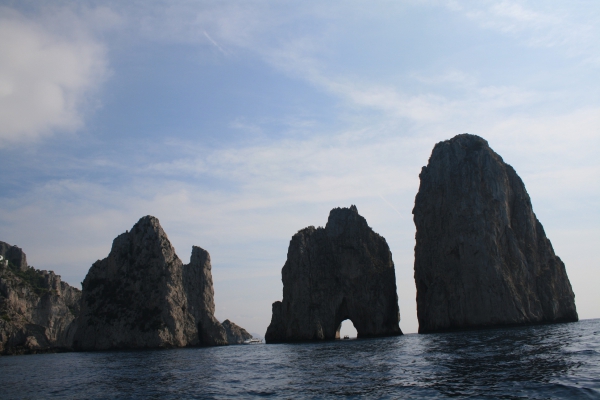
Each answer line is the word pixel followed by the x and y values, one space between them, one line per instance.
pixel 143 296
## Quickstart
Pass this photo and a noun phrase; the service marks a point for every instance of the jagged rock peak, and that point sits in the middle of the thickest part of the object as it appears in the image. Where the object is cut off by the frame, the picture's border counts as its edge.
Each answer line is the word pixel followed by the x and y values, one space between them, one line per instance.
pixel 481 256
pixel 235 334
pixel 343 271
pixel 142 295
pixel 344 220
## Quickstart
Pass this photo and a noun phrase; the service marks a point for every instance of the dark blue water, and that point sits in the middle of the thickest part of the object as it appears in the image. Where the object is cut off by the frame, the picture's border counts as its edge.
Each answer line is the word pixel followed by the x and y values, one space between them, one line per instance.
pixel 549 361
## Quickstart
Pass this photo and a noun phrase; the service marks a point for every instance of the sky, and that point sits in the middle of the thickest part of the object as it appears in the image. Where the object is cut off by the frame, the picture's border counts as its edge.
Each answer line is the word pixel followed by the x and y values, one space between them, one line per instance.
pixel 238 123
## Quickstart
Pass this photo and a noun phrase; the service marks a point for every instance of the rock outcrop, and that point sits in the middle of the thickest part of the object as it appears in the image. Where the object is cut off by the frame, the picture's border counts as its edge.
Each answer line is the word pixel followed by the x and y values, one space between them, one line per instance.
pixel 37 310
pixel 14 255
pixel 343 271
pixel 235 334
pixel 142 296
pixel 482 258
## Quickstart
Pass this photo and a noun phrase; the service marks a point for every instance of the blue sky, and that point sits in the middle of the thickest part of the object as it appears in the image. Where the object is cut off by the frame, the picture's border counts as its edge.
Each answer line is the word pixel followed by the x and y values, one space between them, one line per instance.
pixel 239 123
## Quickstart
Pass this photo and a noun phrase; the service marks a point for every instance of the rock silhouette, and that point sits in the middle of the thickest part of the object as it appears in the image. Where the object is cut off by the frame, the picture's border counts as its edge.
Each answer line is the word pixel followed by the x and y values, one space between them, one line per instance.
pixel 482 258
pixel 14 255
pixel 235 334
pixel 142 296
pixel 37 310
pixel 343 271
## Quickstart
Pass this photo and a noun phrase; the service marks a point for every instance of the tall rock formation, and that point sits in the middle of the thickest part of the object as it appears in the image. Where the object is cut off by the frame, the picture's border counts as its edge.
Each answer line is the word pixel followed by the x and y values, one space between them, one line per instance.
pixel 481 257
pixel 343 271
pixel 142 296
pixel 235 334
pixel 37 310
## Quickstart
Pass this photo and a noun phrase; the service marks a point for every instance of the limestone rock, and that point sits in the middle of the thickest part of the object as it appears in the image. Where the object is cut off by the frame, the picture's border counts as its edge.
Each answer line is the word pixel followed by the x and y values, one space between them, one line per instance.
pixel 343 271
pixel 481 257
pixel 37 310
pixel 14 255
pixel 235 334
pixel 142 296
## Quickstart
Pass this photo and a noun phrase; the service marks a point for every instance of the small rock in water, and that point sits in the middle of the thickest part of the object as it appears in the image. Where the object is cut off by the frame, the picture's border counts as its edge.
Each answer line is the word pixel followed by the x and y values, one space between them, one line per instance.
pixel 235 334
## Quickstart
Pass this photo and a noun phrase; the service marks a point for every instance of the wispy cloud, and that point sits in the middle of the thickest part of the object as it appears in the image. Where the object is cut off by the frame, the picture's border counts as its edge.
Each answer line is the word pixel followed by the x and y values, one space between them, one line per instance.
pixel 215 43
pixel 548 24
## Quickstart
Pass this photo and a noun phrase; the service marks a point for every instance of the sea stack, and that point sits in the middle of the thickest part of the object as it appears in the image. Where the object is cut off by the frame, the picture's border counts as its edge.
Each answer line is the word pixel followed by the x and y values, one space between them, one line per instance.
pixel 343 271
pixel 482 258
pixel 142 296
pixel 38 311
pixel 235 333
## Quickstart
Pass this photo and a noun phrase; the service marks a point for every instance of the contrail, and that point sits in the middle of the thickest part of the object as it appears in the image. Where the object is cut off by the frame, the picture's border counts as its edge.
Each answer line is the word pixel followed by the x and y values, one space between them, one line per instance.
pixel 215 43
pixel 390 204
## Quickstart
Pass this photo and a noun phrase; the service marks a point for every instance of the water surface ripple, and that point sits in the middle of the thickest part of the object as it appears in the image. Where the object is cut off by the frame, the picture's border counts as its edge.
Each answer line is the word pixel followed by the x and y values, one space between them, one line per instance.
pixel 539 362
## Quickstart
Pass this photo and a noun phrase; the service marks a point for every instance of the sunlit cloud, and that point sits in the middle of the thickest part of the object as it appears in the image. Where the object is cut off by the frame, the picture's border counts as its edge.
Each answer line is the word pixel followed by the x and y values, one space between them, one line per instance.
pixel 45 78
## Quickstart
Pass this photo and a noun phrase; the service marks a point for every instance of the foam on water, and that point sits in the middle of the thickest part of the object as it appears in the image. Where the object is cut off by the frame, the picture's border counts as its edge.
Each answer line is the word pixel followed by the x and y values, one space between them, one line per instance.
pixel 545 361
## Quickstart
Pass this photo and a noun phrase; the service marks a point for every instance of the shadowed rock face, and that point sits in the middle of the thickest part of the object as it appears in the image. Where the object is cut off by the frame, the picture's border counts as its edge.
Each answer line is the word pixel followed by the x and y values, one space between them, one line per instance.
pixel 235 334
pixel 142 295
pixel 37 310
pixel 481 257
pixel 14 255
pixel 343 271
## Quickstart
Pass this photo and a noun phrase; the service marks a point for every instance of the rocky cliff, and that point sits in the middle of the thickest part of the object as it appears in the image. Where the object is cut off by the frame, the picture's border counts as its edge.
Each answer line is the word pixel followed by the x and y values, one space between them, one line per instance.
pixel 14 255
pixel 142 296
pixel 343 271
pixel 235 334
pixel 481 257
pixel 37 310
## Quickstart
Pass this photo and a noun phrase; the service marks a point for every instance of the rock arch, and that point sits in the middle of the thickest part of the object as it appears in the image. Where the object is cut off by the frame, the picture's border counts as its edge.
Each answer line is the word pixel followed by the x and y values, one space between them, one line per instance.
pixel 343 271
pixel 338 333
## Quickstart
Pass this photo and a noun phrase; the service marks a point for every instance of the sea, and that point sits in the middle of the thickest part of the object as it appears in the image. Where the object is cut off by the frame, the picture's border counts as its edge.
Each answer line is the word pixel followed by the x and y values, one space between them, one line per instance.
pixel 534 362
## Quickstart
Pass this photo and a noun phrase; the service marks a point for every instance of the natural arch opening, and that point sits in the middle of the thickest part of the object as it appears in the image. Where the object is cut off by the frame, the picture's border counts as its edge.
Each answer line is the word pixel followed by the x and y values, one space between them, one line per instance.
pixel 346 329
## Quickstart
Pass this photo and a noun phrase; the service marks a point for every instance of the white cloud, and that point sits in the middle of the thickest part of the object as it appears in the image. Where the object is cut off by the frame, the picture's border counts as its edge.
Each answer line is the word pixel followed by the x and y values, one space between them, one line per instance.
pixel 540 24
pixel 45 76
pixel 429 108
pixel 451 77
